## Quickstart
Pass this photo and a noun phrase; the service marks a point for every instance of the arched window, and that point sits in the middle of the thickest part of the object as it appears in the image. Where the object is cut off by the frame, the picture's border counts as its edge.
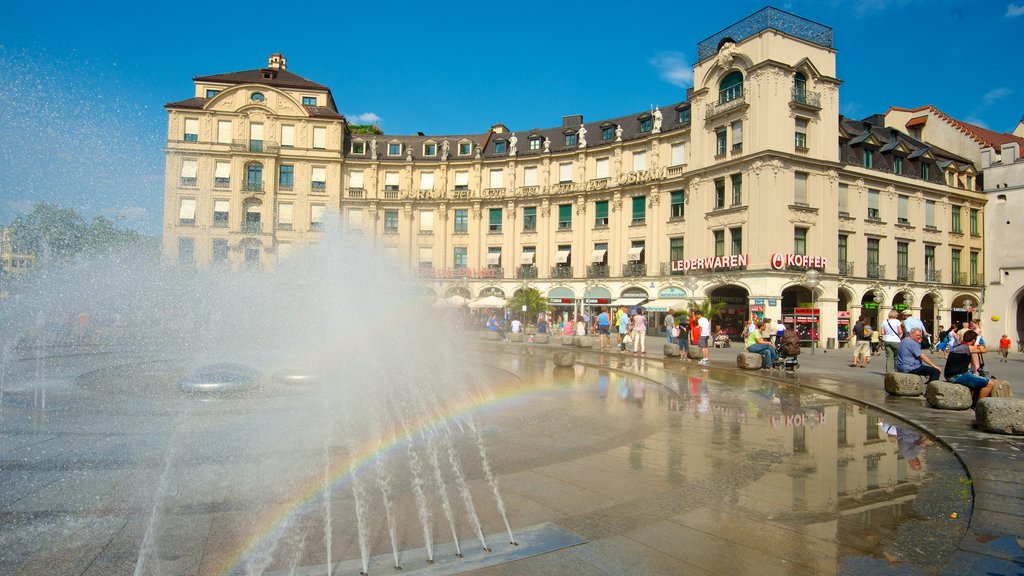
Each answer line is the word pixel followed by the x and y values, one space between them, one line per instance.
pixel 799 87
pixel 731 87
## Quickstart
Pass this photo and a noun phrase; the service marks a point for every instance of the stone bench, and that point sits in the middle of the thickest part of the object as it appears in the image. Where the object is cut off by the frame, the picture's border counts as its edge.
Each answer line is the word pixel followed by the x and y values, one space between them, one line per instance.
pixel 749 361
pixel 491 335
pixel 564 358
pixel 568 340
pixel 584 341
pixel 1000 415
pixel 671 350
pixel 901 384
pixel 516 337
pixel 693 352
pixel 948 395
pixel 541 339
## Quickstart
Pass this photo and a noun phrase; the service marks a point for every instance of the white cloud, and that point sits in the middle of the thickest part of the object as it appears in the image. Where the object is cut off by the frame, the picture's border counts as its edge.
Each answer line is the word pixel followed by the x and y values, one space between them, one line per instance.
pixel 673 68
pixel 364 118
pixel 995 95
pixel 1012 10
pixel 972 119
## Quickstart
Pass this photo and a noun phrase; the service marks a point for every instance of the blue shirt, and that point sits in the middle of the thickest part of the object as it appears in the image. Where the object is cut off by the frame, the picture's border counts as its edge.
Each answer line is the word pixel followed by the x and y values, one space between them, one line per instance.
pixel 602 320
pixel 910 322
pixel 909 356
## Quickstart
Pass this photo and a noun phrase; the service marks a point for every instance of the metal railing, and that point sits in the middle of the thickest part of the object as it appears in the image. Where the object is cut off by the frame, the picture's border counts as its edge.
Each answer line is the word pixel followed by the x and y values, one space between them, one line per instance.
pixel 253 186
pixel 876 270
pixel 977 279
pixel 727 100
pixel 806 97
pixel 846 268
pixel 634 269
pixel 933 275
pixel 764 19
pixel 905 274
pixel 561 271
pixel 255 146
pixel 958 278
pixel 526 271
pixel 252 227
pixel 498 271
pixel 597 271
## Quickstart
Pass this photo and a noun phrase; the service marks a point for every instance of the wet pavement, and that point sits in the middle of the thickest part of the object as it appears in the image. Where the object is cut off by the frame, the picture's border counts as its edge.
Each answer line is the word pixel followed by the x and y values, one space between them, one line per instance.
pixel 657 466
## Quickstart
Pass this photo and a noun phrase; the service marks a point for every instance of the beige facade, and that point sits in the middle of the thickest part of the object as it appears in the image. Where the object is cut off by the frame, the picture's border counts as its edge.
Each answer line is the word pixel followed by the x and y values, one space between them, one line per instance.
pixel 11 262
pixel 702 198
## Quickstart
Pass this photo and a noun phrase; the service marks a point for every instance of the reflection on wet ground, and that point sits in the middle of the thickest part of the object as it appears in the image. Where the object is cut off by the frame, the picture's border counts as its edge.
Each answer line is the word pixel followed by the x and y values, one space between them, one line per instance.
pixel 661 470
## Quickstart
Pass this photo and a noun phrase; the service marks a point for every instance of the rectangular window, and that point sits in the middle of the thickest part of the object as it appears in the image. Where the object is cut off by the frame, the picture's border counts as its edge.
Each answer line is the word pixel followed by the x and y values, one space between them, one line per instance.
pixel 737 136
pixel 465 148
pixel 800 136
pixel 954 264
pixel 319 137
pixel 286 177
pixel 191 130
pixel 903 209
pixel 929 262
pixel 719 242
pixel 736 237
pixel 287 135
pixel 494 220
pixel 565 172
pixel 256 137
pixel 189 170
pixel 224 131
pixel 975 231
pixel 222 174
pixel 355 180
pixel 391 181
pixel 639 161
pixel 494 257
pixel 219 252
pixel 359 147
pixel 570 139
pixel 309 100
pixel 600 213
pixel 678 154
pixel 720 141
pixel 187 212
pixel 844 195
pixel 426 180
pixel 394 149
pixel 426 221
pixel 529 219
pixel 902 260
pixel 425 258
pixel 929 213
pixel 316 217
pixel 873 244
pixel 955 224
pixel 355 218
pixel 530 176
pixel 565 216
pixel 500 147
pixel 926 170
pixel 220 213
pixel 534 143
pixel 186 251
pixel 843 244
pixel 600 254
pixel 675 248
pixel 285 213
pixel 737 189
pixel 601 168
pixel 461 221
pixel 973 263
pixel 800 188
pixel 970 182
pixel 318 179
pixel 496 179
pixel 645 125
pixel 460 256
pixel 639 210
pixel 462 180
pixel 210 93
pixel 719 193
pixel 607 133
pixel 869 158
pixel 800 241
pixel 873 211
pixel 897 164
pixel 391 221
pixel 684 116
pixel 677 205
pixel 430 150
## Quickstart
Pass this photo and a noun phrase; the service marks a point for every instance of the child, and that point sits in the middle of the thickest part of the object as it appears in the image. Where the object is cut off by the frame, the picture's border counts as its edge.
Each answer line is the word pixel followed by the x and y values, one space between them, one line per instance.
pixel 1004 348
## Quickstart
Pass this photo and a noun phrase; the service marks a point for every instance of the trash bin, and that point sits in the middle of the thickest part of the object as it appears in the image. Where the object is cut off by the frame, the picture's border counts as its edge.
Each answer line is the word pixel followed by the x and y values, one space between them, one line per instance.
pixel 830 343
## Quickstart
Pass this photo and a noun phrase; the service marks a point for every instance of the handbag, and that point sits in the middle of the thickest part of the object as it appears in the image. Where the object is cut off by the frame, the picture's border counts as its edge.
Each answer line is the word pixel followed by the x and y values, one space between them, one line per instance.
pixel 627 339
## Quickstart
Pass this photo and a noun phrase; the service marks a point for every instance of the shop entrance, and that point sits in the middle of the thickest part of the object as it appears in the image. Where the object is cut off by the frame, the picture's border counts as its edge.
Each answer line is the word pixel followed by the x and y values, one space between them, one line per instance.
pixel 735 311
pixel 962 309
pixel 797 313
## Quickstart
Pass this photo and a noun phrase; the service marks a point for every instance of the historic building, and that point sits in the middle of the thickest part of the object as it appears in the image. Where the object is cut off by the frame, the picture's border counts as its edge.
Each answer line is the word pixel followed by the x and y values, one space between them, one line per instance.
pixel 12 262
pixel 734 193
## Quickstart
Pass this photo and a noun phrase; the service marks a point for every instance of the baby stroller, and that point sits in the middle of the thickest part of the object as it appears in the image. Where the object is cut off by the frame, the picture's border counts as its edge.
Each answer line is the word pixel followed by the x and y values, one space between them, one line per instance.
pixel 788 348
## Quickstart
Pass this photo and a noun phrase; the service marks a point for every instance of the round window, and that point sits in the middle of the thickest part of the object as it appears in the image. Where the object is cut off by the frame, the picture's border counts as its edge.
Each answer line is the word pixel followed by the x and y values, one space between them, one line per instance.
pixel 257 97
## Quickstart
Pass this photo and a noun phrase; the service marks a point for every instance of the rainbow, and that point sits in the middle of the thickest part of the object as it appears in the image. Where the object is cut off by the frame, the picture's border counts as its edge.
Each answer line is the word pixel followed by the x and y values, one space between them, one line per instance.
pixel 274 522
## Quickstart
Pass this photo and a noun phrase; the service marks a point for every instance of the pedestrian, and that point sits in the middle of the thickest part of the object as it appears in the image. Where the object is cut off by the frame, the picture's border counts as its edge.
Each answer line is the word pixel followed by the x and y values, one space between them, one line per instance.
pixel 704 325
pixel 875 341
pixel 892 333
pixel 603 323
pixel 640 332
pixel 910 322
pixel 516 325
pixel 581 327
pixel 1004 348
pixel 911 358
pixel 780 329
pixel 861 335
pixel 963 365
pixel 758 345
pixel 670 324
pixel 622 321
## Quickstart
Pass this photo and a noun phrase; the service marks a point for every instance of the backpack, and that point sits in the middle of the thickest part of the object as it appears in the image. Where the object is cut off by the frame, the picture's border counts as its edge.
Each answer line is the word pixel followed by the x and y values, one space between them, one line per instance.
pixel 867 331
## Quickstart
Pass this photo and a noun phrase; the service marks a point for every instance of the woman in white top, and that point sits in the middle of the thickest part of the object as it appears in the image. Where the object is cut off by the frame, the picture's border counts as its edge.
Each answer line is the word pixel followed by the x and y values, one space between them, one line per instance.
pixel 892 333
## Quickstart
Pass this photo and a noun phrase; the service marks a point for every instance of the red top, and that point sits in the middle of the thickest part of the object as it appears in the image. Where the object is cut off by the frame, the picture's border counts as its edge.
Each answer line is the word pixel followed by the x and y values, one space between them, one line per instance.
pixel 1004 342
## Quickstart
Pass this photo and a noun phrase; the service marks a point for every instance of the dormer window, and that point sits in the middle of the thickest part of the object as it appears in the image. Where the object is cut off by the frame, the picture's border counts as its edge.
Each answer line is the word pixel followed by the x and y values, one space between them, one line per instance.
pixel 897 164
pixel 869 158
pixel 210 93
pixel 570 139
pixel 394 149
pixel 430 150
pixel 645 123
pixel 501 147
pixel 607 132
pixel 465 148
pixel 309 100
pixel 535 143
pixel 257 97
pixel 683 116
pixel 359 147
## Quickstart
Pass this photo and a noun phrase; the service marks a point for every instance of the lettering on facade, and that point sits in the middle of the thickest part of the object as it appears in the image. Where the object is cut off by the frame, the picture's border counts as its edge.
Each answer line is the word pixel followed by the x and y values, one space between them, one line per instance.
pixel 587 186
pixel 787 261
pixel 460 272
pixel 461 194
pixel 796 420
pixel 642 176
pixel 710 263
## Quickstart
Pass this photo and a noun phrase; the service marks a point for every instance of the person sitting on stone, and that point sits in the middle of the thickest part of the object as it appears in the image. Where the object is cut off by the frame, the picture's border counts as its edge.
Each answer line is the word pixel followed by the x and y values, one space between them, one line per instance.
pixel 911 359
pixel 963 363
pixel 758 345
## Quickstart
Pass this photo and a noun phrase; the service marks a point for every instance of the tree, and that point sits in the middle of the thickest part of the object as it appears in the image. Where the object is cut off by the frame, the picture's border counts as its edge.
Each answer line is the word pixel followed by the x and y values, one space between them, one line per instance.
pixel 532 299
pixel 52 232
pixel 708 309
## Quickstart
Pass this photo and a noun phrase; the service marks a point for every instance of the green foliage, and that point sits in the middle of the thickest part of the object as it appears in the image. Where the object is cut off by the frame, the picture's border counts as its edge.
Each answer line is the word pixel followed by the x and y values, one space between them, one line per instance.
pixel 364 129
pixel 708 309
pixel 52 232
pixel 531 298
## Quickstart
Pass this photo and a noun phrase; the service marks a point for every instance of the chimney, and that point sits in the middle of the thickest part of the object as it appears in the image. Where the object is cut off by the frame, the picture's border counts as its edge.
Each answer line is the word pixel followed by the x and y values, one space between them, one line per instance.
pixel 277 61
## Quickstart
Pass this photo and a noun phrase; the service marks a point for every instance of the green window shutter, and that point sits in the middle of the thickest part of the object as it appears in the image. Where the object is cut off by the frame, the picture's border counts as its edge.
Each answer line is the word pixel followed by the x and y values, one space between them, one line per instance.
pixel 495 216
pixel 564 212
pixel 601 209
pixel 639 207
pixel 677 197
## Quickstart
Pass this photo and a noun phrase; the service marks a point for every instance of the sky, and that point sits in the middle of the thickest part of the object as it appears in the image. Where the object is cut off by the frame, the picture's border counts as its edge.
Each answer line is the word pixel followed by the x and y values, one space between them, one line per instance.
pixel 82 122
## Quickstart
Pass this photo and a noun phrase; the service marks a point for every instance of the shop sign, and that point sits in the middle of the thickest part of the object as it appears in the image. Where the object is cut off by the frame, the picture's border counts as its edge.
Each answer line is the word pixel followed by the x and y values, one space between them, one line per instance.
pixel 561 301
pixel 759 301
pixel 899 307
pixel 463 272
pixel 597 300
pixel 756 308
pixel 772 301
pixel 869 305
pixel 634 293
pixel 710 263
pixel 671 292
pixel 807 311
pixel 787 261
pixel 796 420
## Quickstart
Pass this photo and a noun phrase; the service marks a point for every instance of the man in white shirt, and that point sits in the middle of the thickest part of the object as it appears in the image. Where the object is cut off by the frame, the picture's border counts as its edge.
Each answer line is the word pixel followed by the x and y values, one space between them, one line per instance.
pixel 516 324
pixel 705 337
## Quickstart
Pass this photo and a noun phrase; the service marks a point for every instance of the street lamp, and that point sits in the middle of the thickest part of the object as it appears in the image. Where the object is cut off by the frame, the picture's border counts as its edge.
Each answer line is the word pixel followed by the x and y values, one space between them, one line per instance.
pixel 811 279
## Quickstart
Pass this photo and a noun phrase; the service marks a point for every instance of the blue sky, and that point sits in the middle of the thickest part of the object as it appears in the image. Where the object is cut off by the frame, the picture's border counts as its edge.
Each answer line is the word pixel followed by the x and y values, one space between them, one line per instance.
pixel 82 122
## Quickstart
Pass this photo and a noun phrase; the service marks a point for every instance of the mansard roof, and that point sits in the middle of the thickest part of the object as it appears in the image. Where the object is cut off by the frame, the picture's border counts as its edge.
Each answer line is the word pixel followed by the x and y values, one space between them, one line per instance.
pixel 266 76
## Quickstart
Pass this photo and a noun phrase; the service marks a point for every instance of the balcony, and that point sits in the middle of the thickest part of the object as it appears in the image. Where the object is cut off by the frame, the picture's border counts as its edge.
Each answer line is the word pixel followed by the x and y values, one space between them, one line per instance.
pixel 597 271
pixel 666 269
pixel 188 181
pixel 252 227
pixel 253 186
pixel 496 271
pixel 319 187
pixel 526 272
pixel 846 268
pixel 932 275
pixel 357 193
pixel 255 146
pixel 959 278
pixel 392 194
pixel 805 98
pixel 977 279
pixel 728 100
pixel 634 270
pixel 561 271
pixel 876 270
pixel 904 274
pixel 222 182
